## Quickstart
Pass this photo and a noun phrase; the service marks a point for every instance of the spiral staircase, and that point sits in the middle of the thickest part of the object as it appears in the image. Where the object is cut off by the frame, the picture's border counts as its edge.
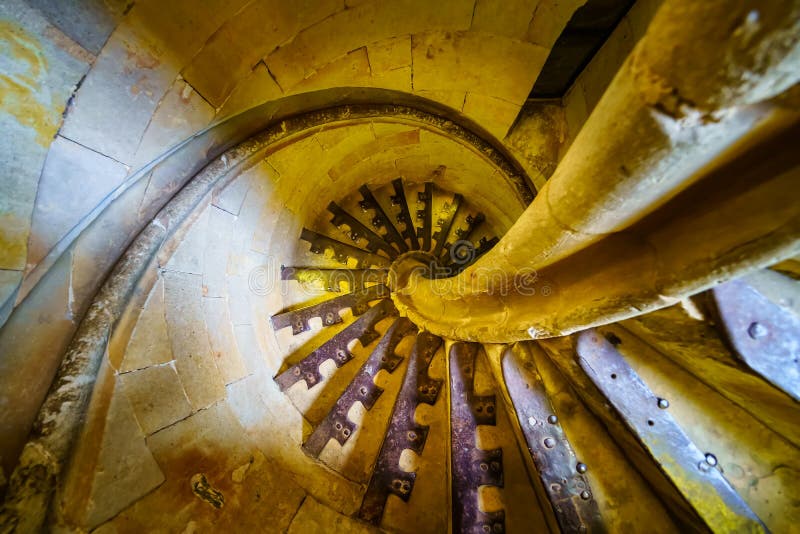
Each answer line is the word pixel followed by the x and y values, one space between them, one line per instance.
pixel 375 295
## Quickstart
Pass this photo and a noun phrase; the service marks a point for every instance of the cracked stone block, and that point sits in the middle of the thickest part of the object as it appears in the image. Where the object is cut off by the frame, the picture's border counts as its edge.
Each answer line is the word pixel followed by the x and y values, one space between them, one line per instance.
pixel 156 395
pixel 149 343
pixel 126 470
pixel 186 326
pixel 390 54
pixel 181 112
pixel 74 180
pixel 169 175
pixel 223 342
pixel 352 28
pixel 129 77
pixel 256 88
pixel 316 517
pixel 351 70
pixel 246 37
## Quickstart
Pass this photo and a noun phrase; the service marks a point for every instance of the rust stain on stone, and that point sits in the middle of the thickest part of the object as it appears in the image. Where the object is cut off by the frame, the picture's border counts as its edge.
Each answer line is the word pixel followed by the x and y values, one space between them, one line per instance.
pixel 142 60
pixel 68 45
pixel 13 238
pixel 18 89
pixel 206 492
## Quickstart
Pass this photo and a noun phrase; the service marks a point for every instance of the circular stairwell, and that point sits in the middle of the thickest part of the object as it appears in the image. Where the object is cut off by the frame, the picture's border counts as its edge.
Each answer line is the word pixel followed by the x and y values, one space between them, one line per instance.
pixel 261 377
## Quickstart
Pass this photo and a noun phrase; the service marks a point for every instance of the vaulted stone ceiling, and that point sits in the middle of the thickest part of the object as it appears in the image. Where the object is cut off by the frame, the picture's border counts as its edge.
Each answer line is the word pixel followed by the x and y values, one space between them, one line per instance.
pixel 164 163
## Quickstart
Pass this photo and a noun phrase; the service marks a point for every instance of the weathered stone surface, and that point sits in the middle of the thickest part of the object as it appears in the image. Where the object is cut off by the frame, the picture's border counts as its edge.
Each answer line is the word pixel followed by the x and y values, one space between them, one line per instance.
pixel 250 349
pixel 69 168
pixel 230 199
pixel 253 89
pixel 168 176
pixel 215 256
pixel 149 343
pixel 536 138
pixel 227 354
pixel 97 248
pixel 38 72
pixel 188 257
pixel 601 70
pixel 88 23
pixel 284 447
pixel 352 69
pixel 494 114
pixel 245 38
pixel 504 17
pixel 389 54
pixel 129 77
pixel 187 331
pixel 549 20
pixel 156 395
pixel 126 470
pixel 315 517
pixel 23 386
pixel 439 58
pixel 181 113
pixel 239 300
pixel 353 28
pixel 211 443
pixel 575 112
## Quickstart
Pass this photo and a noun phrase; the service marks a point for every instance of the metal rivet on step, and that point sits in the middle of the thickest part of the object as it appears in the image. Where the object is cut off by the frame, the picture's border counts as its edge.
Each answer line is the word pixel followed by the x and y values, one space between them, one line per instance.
pixel 585 495
pixel 663 403
pixel 757 330
pixel 549 443
pixel 552 419
pixel 581 467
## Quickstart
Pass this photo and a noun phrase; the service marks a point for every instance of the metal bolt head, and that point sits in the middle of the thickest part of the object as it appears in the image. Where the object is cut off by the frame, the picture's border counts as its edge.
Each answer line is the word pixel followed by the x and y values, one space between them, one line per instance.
pixel 711 459
pixel 552 419
pixel 581 468
pixel 585 495
pixel 663 403
pixel 757 330
pixel 549 443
